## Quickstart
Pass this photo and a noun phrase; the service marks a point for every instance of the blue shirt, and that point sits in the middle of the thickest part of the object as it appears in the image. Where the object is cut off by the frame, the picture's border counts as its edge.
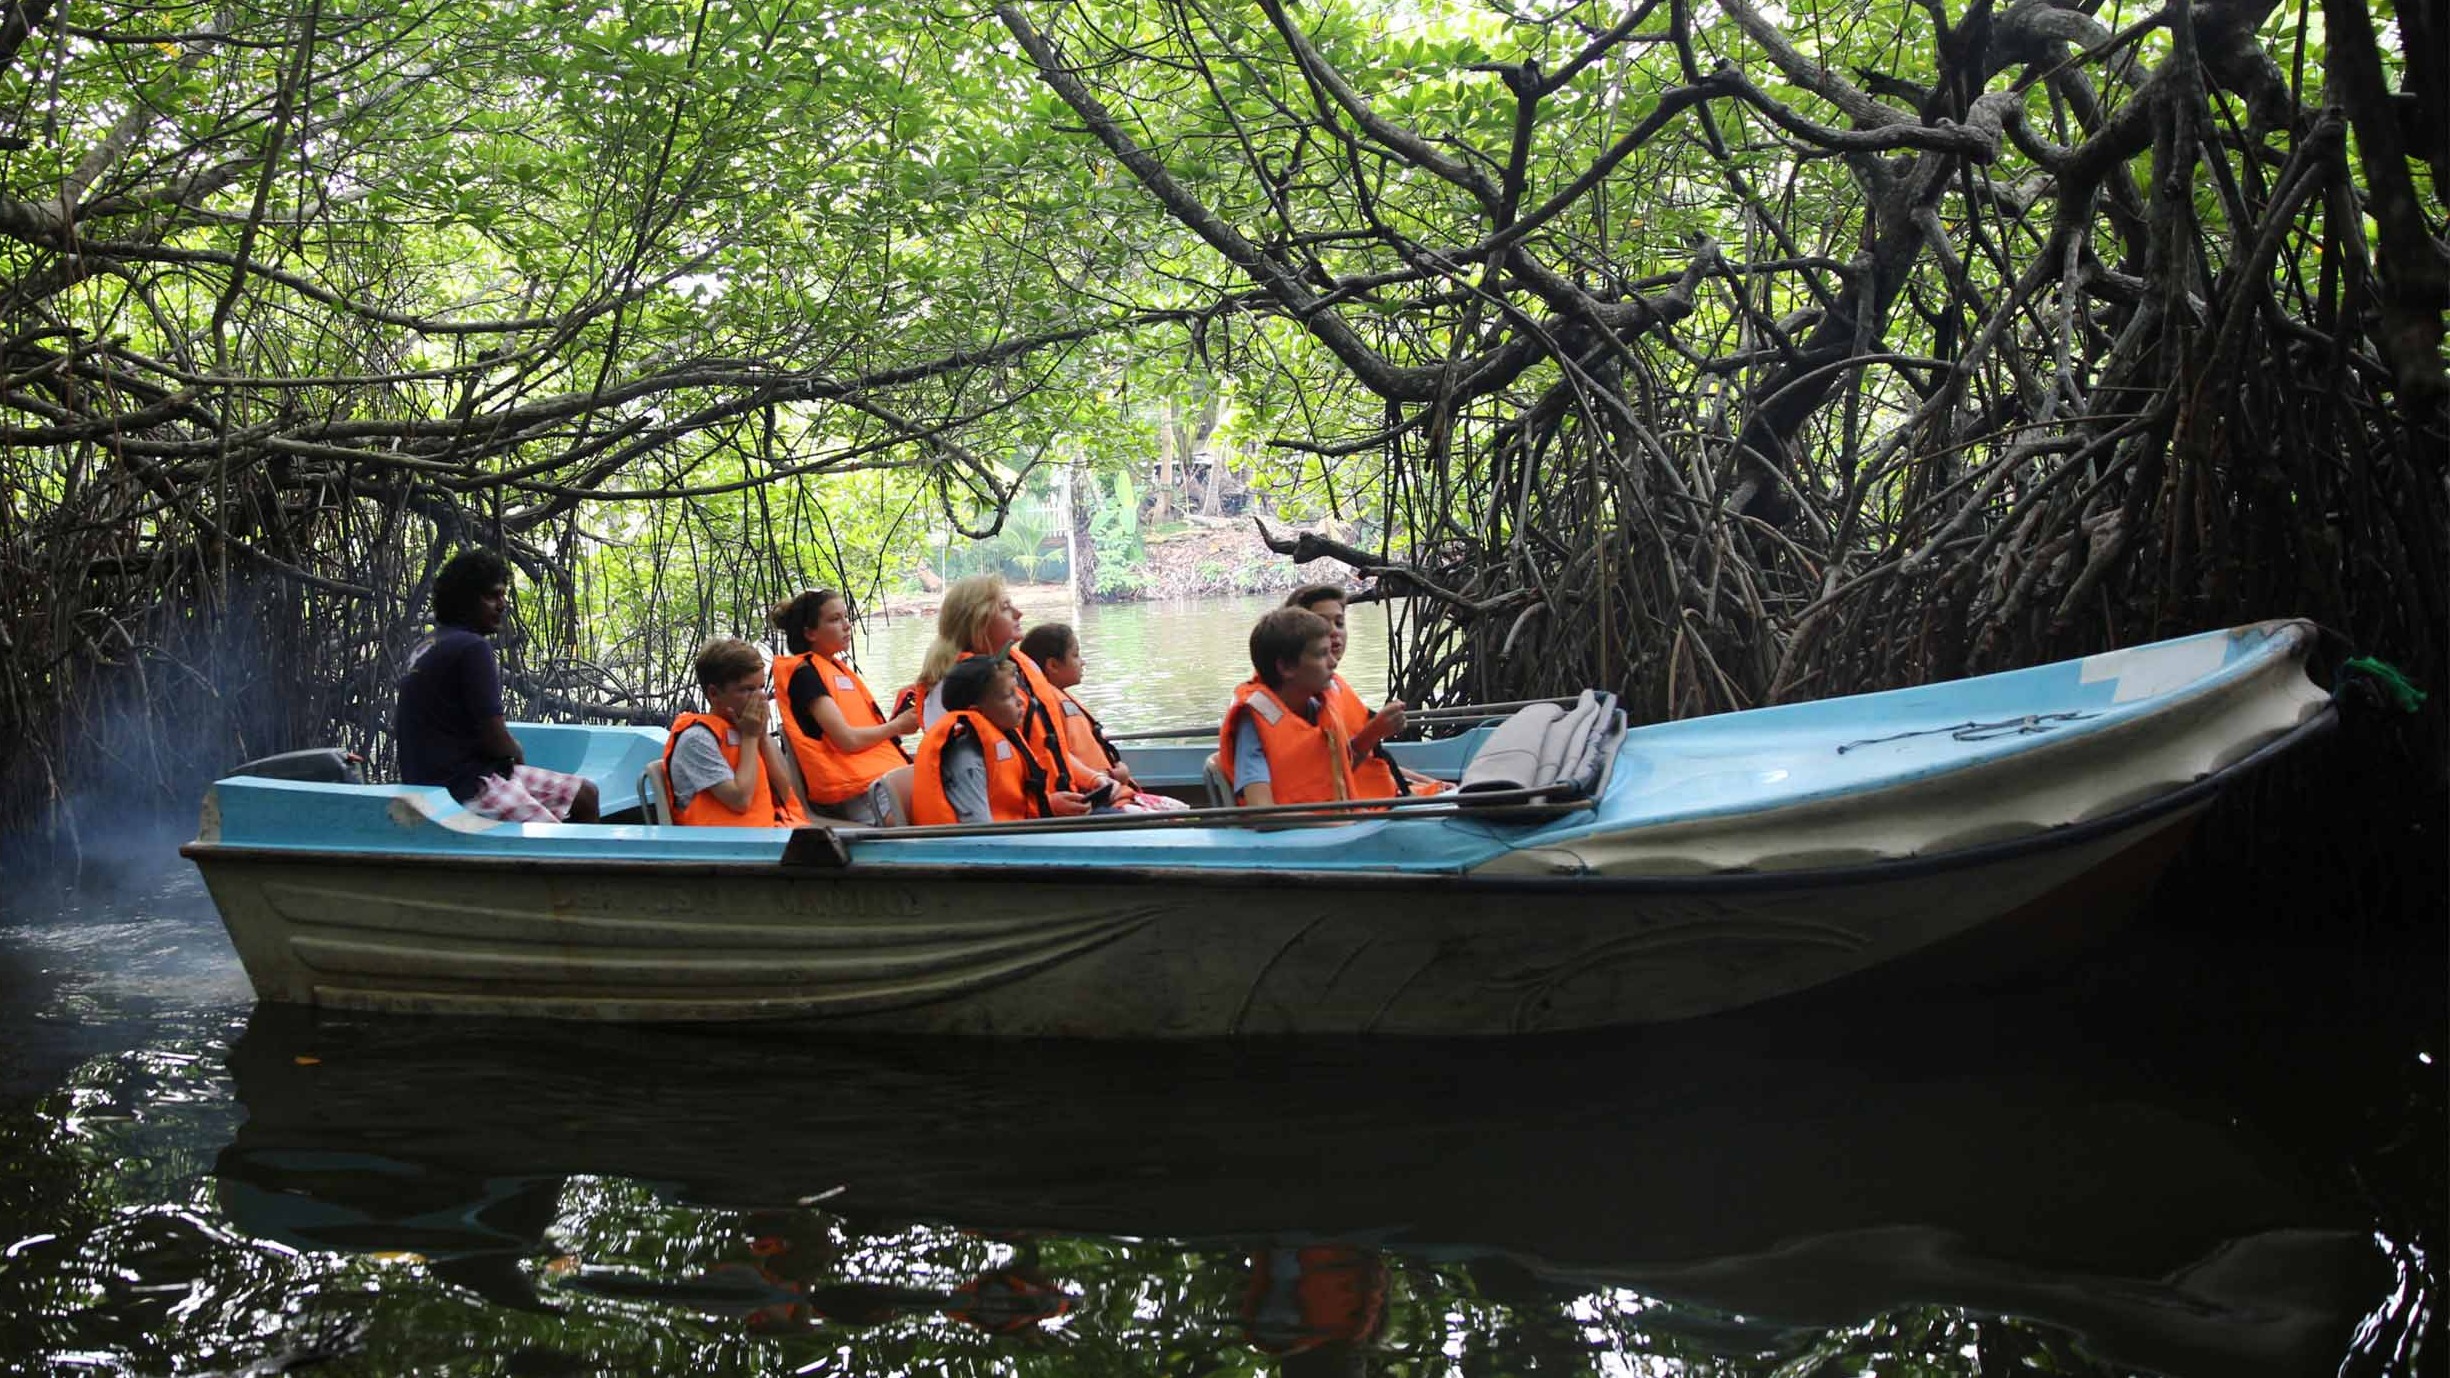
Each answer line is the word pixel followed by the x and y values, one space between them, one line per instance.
pixel 1250 758
pixel 451 689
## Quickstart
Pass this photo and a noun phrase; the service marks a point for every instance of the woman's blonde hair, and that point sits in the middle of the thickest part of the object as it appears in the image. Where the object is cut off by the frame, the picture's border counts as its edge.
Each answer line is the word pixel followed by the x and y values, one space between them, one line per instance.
pixel 969 604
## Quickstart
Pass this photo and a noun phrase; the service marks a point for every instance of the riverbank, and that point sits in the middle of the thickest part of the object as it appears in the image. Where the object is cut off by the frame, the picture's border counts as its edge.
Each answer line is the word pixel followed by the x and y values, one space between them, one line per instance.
pixel 1205 558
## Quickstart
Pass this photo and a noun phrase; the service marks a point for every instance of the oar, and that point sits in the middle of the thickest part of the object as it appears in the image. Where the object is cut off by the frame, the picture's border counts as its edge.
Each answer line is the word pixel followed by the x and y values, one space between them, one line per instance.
pixel 1453 713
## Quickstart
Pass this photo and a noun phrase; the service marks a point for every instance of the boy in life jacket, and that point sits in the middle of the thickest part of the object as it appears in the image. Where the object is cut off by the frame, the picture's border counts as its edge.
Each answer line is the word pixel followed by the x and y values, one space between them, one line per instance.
pixel 1281 743
pixel 1055 647
pixel 976 764
pixel 1378 772
pixel 724 770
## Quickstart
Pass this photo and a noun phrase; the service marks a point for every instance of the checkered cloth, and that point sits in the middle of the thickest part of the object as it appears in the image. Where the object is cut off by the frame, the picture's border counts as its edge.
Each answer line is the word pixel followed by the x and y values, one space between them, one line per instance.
pixel 528 794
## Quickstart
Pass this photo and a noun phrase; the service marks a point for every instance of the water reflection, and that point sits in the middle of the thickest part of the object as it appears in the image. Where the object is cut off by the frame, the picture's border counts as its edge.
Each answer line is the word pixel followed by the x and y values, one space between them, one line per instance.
pixel 1724 1198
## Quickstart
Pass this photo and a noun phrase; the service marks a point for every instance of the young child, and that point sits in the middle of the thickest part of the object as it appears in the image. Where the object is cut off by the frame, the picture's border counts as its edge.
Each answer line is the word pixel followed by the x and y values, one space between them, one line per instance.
pixel 724 771
pixel 1055 647
pixel 1280 742
pixel 975 764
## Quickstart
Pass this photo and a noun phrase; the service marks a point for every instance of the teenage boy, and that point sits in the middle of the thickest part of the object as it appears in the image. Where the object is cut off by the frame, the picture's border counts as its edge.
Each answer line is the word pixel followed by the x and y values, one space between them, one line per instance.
pixel 1280 743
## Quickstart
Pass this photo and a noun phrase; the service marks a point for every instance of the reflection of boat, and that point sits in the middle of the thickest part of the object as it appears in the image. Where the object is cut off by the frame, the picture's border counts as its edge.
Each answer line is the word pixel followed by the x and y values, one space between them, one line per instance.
pixel 1717 1167
pixel 1695 866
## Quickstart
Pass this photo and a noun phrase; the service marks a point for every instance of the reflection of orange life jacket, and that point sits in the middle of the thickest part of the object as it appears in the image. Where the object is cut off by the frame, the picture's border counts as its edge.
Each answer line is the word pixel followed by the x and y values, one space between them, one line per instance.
pixel 704 809
pixel 1016 775
pixel 1375 776
pixel 832 774
pixel 1308 763
pixel 1007 1302
pixel 1301 1299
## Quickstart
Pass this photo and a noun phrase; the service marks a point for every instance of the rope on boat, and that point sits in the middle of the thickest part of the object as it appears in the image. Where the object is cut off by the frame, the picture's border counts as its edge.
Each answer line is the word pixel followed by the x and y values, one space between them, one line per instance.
pixel 2023 726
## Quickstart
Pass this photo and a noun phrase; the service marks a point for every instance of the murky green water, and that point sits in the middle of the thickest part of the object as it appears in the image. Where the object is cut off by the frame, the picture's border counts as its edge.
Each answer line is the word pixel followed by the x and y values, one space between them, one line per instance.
pixel 2212 1149
pixel 1150 665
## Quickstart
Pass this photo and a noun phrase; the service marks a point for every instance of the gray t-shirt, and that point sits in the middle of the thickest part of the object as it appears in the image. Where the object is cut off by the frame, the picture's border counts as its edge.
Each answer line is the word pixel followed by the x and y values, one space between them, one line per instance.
pixel 697 763
pixel 964 767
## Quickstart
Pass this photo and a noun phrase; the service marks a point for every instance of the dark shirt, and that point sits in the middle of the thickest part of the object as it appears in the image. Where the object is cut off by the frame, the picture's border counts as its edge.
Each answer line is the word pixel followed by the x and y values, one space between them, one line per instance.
pixel 806 687
pixel 451 689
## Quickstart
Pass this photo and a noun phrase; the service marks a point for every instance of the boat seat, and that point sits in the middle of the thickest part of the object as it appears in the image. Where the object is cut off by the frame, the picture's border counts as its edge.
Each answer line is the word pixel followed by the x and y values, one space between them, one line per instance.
pixel 655 793
pixel 1559 753
pixel 1218 789
pixel 791 772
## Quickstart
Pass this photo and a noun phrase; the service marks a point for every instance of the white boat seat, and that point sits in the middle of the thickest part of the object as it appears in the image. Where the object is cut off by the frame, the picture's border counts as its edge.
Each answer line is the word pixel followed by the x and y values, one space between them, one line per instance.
pixel 1218 789
pixel 655 793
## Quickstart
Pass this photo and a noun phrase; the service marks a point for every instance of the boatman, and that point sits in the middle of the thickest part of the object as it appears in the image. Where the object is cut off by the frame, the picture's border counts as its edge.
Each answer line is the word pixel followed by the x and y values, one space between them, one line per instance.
pixel 448 720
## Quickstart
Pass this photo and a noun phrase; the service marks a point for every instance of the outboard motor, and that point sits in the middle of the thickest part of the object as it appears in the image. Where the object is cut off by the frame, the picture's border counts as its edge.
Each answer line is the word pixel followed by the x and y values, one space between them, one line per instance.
pixel 328 765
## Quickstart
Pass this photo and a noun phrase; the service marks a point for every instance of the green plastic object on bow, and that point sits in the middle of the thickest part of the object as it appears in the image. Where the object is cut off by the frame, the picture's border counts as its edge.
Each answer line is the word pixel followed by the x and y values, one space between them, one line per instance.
pixel 2385 677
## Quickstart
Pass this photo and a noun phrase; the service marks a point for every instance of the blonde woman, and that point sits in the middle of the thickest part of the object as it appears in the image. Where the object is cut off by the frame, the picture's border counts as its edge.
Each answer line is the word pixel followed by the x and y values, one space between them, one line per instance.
pixel 979 618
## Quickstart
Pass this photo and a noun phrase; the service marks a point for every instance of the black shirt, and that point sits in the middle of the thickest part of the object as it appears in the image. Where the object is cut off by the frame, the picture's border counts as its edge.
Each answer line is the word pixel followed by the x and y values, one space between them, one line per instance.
pixel 451 689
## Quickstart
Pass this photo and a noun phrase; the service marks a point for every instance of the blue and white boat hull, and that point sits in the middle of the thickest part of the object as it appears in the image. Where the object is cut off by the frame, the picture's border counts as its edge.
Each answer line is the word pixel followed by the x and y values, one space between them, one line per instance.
pixel 1725 861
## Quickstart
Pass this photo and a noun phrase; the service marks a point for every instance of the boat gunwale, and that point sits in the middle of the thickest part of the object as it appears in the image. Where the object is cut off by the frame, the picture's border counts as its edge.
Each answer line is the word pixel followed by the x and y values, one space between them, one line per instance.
pixel 1071 873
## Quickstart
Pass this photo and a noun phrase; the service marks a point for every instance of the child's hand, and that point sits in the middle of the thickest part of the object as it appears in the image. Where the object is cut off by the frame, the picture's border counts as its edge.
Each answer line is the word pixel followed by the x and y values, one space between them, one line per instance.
pixel 752 720
pixel 1064 803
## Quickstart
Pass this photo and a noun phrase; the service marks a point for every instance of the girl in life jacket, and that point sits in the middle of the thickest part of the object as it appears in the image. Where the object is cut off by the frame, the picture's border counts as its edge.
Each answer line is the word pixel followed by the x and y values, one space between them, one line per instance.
pixel 1379 774
pixel 1055 647
pixel 1281 743
pixel 979 618
pixel 976 762
pixel 722 767
pixel 849 753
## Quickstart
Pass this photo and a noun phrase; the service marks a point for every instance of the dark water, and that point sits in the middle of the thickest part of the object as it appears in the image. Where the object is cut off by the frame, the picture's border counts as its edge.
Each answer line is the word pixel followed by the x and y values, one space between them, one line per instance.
pixel 2215 1147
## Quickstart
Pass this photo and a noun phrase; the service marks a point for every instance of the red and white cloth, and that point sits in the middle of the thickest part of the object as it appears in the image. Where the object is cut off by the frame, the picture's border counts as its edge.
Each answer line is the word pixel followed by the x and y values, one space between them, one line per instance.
pixel 529 794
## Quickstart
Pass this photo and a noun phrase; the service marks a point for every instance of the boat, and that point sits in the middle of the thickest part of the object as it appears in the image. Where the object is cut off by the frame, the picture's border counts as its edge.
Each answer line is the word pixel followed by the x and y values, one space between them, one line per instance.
pixel 1632 875
pixel 1763 1183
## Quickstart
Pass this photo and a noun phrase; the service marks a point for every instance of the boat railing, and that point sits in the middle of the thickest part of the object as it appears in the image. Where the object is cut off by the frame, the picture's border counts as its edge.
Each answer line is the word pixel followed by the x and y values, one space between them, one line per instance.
pixel 1453 715
pixel 818 845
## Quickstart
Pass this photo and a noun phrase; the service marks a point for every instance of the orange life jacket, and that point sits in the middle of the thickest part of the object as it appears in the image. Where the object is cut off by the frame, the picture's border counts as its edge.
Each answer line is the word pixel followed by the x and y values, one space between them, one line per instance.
pixel 1084 735
pixel 704 809
pixel 1376 777
pixel 1043 727
pixel 1308 763
pixel 832 774
pixel 1016 774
